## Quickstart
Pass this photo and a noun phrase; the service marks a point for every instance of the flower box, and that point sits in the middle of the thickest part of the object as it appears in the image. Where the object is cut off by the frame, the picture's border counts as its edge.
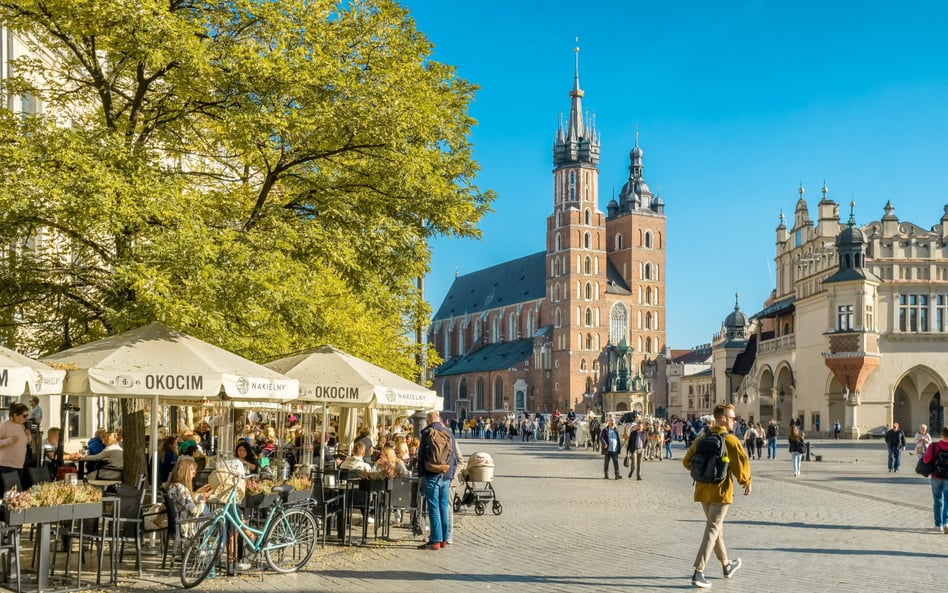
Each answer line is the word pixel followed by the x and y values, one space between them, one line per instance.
pixel 298 495
pixel 66 512
pixel 260 501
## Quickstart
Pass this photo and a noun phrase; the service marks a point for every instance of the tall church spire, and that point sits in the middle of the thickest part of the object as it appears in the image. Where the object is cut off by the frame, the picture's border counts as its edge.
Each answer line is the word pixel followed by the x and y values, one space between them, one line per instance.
pixel 576 104
pixel 579 144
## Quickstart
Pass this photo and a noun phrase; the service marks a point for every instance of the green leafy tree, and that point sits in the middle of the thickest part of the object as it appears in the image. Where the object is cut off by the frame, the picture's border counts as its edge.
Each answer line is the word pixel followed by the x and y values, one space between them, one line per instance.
pixel 263 175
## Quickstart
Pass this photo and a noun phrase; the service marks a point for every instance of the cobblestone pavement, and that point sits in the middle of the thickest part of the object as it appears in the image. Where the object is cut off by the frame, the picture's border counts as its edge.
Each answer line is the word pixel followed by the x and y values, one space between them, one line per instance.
pixel 845 524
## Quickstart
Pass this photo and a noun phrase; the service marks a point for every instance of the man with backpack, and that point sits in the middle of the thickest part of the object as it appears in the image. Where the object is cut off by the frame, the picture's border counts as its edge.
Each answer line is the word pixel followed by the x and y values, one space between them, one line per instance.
pixel 714 459
pixel 937 455
pixel 437 463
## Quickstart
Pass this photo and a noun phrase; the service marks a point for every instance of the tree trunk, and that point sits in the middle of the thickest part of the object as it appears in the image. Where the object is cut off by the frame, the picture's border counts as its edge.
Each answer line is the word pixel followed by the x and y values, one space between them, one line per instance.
pixel 133 431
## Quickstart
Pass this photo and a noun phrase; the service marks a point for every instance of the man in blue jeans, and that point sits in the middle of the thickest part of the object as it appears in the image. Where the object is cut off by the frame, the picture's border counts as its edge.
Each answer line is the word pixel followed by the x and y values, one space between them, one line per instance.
pixel 437 486
pixel 895 442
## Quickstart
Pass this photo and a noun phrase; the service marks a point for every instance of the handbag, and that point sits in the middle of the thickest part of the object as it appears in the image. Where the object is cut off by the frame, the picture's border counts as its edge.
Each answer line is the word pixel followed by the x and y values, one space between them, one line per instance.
pixel 924 469
pixel 625 461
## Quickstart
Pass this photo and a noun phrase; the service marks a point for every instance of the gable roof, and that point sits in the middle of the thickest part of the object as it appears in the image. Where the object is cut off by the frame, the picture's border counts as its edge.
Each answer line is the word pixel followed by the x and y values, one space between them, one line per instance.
pixel 516 281
pixel 492 357
pixel 615 284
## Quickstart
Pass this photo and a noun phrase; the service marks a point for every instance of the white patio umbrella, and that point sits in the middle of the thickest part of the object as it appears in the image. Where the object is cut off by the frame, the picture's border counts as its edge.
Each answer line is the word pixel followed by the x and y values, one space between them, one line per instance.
pixel 160 363
pixel 333 377
pixel 20 375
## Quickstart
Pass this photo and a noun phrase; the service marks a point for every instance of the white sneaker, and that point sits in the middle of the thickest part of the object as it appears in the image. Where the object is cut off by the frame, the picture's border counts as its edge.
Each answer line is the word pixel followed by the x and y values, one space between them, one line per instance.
pixel 242 565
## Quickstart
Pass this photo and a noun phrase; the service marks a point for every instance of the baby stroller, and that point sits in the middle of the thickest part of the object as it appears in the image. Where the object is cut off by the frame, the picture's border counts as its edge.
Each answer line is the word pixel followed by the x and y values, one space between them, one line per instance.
pixel 480 469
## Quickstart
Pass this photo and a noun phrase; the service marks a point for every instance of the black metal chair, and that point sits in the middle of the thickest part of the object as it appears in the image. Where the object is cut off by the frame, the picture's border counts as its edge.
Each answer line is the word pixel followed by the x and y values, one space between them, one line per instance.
pixel 10 550
pixel 10 479
pixel 123 525
pixel 330 505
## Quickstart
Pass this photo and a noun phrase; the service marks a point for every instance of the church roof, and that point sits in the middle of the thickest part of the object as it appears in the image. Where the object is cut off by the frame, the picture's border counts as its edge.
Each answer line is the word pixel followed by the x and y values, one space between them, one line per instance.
pixel 744 363
pixel 492 357
pixel 516 281
pixel 777 308
pixel 615 284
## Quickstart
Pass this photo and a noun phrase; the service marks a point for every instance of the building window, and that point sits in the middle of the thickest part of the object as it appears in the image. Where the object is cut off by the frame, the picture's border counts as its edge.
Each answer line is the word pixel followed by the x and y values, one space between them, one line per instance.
pixel 479 394
pixel 618 324
pixel 868 321
pixel 913 312
pixel 648 271
pixel 844 318
pixel 557 318
pixel 589 342
pixel 495 331
pixel 618 242
pixel 557 243
pixel 941 312
pixel 587 240
pixel 531 326
pixel 512 327
pixel 582 364
pixel 446 394
pixel 499 393
pixel 447 344
pixel 648 239
pixel 587 265
pixel 589 316
pixel 587 217
pixel 589 291
pixel 648 295
pixel 648 345
pixel 462 389
pixel 648 321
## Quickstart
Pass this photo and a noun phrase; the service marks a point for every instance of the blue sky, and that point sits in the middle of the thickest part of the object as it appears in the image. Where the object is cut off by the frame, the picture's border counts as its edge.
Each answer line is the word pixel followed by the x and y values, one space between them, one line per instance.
pixel 736 104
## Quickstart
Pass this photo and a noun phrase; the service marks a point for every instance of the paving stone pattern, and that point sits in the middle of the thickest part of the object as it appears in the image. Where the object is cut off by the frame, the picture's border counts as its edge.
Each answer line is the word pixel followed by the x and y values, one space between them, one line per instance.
pixel 845 524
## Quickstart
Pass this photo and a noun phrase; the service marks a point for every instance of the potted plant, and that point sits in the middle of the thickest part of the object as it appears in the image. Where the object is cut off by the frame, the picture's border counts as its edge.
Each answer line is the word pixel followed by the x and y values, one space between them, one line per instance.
pixel 302 488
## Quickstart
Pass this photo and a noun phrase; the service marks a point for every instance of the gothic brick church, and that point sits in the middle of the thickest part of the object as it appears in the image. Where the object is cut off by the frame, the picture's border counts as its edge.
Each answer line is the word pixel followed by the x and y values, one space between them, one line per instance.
pixel 575 325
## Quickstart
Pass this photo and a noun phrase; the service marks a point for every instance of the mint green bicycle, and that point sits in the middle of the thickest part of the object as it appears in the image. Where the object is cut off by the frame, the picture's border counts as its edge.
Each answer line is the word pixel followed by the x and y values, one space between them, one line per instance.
pixel 286 539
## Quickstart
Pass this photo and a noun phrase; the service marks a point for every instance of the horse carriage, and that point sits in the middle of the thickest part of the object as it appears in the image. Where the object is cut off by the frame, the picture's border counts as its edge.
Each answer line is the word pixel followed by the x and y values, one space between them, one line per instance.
pixel 479 470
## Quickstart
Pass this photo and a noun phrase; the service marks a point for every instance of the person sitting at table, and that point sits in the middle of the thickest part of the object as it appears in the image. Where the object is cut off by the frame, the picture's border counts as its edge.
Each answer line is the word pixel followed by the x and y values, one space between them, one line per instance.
pixel 187 501
pixel 244 453
pixel 401 448
pixel 112 456
pixel 203 435
pixel 186 440
pixel 169 456
pixel 389 464
pixel 95 444
pixel 356 461
pixel 50 444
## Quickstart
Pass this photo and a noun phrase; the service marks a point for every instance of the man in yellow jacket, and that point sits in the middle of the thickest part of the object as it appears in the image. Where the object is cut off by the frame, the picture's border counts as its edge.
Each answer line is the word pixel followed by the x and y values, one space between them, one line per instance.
pixel 716 498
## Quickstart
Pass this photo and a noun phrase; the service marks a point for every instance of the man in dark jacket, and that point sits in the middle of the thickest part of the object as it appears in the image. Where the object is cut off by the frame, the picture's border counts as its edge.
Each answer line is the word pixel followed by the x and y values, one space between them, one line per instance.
pixel 895 442
pixel 437 486
pixel 611 445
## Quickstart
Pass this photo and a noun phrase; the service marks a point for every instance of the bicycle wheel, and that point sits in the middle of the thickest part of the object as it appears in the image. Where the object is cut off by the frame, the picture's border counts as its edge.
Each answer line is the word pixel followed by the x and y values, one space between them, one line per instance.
pixel 290 541
pixel 202 554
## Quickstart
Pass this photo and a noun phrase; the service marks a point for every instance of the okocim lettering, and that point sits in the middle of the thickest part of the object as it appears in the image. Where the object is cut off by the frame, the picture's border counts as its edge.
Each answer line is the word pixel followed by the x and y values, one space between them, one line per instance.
pixel 337 392
pixel 180 382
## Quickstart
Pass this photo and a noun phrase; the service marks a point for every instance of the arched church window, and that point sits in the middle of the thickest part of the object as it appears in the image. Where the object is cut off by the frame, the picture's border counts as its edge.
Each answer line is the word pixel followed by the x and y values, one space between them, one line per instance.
pixel 618 242
pixel 589 316
pixel 648 271
pixel 648 295
pixel 589 291
pixel 587 265
pixel 587 240
pixel 589 342
pixel 557 242
pixel 587 216
pixel 618 324
pixel 648 239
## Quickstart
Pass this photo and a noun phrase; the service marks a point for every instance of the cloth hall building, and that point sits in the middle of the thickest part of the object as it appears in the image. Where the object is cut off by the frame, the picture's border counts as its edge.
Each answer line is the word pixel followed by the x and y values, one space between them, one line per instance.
pixel 575 325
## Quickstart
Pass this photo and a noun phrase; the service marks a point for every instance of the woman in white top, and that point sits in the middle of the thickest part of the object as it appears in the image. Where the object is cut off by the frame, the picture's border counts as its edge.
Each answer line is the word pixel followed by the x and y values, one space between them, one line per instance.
pixel 922 440
pixel 112 456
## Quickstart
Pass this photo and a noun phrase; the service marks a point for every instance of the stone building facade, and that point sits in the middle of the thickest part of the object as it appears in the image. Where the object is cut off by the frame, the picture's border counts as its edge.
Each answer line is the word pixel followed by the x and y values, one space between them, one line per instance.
pixel 575 324
pixel 856 329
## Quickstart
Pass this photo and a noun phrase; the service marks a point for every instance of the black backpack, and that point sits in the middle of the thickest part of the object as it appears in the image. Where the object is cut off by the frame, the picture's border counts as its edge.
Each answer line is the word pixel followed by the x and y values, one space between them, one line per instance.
pixel 940 465
pixel 709 463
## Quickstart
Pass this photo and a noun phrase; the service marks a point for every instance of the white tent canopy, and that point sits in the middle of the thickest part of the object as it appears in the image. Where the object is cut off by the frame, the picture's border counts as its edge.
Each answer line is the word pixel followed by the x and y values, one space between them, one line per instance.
pixel 20 375
pixel 331 376
pixel 156 360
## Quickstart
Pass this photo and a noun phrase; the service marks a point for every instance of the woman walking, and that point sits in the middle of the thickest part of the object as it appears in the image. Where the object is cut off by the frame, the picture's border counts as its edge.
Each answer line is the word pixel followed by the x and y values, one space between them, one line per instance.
pixel 797 448
pixel 922 440
pixel 750 440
